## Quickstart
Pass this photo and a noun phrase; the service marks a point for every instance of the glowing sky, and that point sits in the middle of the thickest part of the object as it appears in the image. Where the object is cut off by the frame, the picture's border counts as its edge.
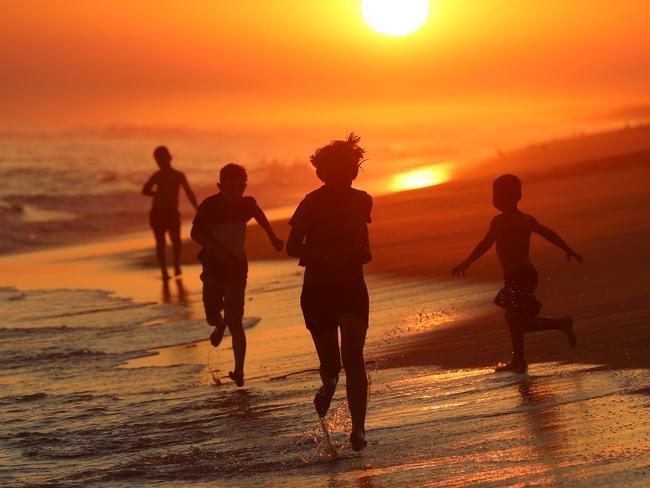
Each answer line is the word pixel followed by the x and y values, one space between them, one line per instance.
pixel 223 62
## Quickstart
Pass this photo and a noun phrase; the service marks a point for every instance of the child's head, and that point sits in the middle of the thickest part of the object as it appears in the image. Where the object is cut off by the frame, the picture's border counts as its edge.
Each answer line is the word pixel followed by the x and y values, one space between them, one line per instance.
pixel 232 181
pixel 338 163
pixel 506 192
pixel 162 157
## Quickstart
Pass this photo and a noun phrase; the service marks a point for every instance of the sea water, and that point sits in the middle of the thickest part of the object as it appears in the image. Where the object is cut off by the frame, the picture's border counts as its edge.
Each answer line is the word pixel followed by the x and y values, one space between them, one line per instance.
pixel 101 389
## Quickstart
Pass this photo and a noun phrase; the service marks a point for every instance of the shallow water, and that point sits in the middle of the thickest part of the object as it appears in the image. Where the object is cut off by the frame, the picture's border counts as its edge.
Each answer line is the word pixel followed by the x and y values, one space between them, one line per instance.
pixel 57 184
pixel 102 390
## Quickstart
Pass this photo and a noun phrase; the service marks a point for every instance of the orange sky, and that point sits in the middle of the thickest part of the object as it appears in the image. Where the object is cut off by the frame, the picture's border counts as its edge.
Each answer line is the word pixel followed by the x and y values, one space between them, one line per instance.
pixel 254 62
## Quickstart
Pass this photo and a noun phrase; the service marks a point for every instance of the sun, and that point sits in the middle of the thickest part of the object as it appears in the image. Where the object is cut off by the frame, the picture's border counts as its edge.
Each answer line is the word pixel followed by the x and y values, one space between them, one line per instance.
pixel 395 17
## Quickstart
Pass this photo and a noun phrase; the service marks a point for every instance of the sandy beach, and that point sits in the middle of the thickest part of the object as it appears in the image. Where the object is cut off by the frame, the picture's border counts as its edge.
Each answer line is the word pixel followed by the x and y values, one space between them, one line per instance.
pixel 592 190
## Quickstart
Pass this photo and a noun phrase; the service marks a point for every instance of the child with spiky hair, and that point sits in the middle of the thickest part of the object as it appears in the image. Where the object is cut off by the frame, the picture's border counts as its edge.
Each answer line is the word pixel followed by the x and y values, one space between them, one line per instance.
pixel 511 231
pixel 329 234
pixel 220 227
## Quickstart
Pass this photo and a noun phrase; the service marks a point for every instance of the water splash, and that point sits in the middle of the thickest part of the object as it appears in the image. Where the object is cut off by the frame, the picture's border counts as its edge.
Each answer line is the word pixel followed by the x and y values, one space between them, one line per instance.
pixel 212 366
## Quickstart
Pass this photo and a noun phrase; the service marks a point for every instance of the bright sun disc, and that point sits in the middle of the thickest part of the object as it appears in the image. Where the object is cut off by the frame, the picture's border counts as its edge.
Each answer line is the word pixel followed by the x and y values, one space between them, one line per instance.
pixel 395 17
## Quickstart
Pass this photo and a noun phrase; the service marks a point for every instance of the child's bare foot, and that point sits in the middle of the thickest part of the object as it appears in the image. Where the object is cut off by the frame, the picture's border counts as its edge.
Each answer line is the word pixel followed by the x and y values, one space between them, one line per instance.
pixel 165 276
pixel 219 329
pixel 568 330
pixel 323 397
pixel 237 377
pixel 217 334
pixel 519 367
pixel 358 440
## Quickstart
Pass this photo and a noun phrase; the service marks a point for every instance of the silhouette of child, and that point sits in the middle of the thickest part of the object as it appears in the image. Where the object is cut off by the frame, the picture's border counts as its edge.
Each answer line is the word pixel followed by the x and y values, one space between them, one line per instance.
pixel 220 228
pixel 164 186
pixel 330 236
pixel 511 231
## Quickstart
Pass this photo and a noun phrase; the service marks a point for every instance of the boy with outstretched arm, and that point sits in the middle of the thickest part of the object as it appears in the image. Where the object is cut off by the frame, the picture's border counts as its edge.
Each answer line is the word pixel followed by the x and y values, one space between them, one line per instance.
pixel 511 231
pixel 220 228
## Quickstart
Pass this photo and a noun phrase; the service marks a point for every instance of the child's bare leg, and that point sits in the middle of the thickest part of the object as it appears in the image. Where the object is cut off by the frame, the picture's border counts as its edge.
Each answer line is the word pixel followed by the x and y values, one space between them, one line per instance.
pixel 177 245
pixel 234 294
pixel 565 325
pixel 236 329
pixel 329 355
pixel 160 252
pixel 353 338
pixel 516 327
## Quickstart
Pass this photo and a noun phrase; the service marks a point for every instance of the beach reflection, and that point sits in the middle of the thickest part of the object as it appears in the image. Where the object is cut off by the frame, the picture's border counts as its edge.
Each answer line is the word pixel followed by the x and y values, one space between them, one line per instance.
pixel 178 298
pixel 543 415
pixel 421 177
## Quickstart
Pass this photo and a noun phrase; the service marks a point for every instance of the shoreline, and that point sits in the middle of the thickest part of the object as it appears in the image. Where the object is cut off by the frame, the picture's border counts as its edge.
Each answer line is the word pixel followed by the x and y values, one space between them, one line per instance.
pixel 421 234
pixel 607 334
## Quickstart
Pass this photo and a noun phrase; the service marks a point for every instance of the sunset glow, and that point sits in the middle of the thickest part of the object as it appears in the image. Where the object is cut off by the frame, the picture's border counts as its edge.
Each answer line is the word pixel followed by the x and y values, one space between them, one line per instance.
pixel 212 211
pixel 395 17
pixel 252 63
pixel 421 178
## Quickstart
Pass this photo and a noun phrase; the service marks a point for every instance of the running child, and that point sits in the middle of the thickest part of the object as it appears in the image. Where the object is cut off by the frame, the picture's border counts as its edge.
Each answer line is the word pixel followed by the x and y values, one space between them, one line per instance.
pixel 164 186
pixel 330 236
pixel 511 232
pixel 220 228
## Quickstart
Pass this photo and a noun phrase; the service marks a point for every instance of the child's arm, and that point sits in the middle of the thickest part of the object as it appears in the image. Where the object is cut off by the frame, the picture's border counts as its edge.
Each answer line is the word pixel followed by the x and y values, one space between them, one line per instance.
pixel 553 237
pixel 480 249
pixel 188 191
pixel 263 222
pixel 147 189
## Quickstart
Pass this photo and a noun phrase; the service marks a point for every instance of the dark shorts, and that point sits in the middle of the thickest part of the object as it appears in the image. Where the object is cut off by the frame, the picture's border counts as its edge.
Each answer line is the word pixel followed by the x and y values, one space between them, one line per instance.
pixel 223 291
pixel 165 220
pixel 323 305
pixel 518 293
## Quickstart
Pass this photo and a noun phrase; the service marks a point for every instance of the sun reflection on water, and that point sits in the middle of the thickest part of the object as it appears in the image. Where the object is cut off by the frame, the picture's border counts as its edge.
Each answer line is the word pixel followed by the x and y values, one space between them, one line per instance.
pixel 421 177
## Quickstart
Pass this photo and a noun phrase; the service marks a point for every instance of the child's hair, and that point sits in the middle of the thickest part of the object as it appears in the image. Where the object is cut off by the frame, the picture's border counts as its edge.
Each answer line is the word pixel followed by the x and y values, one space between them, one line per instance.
pixel 233 171
pixel 161 154
pixel 339 158
pixel 507 187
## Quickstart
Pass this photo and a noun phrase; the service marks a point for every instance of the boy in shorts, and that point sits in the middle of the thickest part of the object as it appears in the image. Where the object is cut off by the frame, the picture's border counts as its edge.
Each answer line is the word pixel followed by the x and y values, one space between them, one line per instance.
pixel 220 228
pixel 511 232
pixel 164 186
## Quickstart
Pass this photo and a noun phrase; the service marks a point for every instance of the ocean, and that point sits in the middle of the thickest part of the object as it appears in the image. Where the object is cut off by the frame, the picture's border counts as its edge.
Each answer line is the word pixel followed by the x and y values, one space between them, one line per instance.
pixel 59 186
pixel 65 185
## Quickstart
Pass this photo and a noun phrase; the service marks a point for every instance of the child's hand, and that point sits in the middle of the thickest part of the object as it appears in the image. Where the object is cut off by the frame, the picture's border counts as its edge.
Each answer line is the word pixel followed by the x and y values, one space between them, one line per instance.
pixel 278 244
pixel 459 270
pixel 572 254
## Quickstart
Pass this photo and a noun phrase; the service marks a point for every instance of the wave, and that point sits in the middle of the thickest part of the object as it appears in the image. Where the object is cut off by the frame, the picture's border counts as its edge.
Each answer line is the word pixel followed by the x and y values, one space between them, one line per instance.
pixel 24 398
pixel 9 333
pixel 19 358
pixel 84 312
pixel 41 202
